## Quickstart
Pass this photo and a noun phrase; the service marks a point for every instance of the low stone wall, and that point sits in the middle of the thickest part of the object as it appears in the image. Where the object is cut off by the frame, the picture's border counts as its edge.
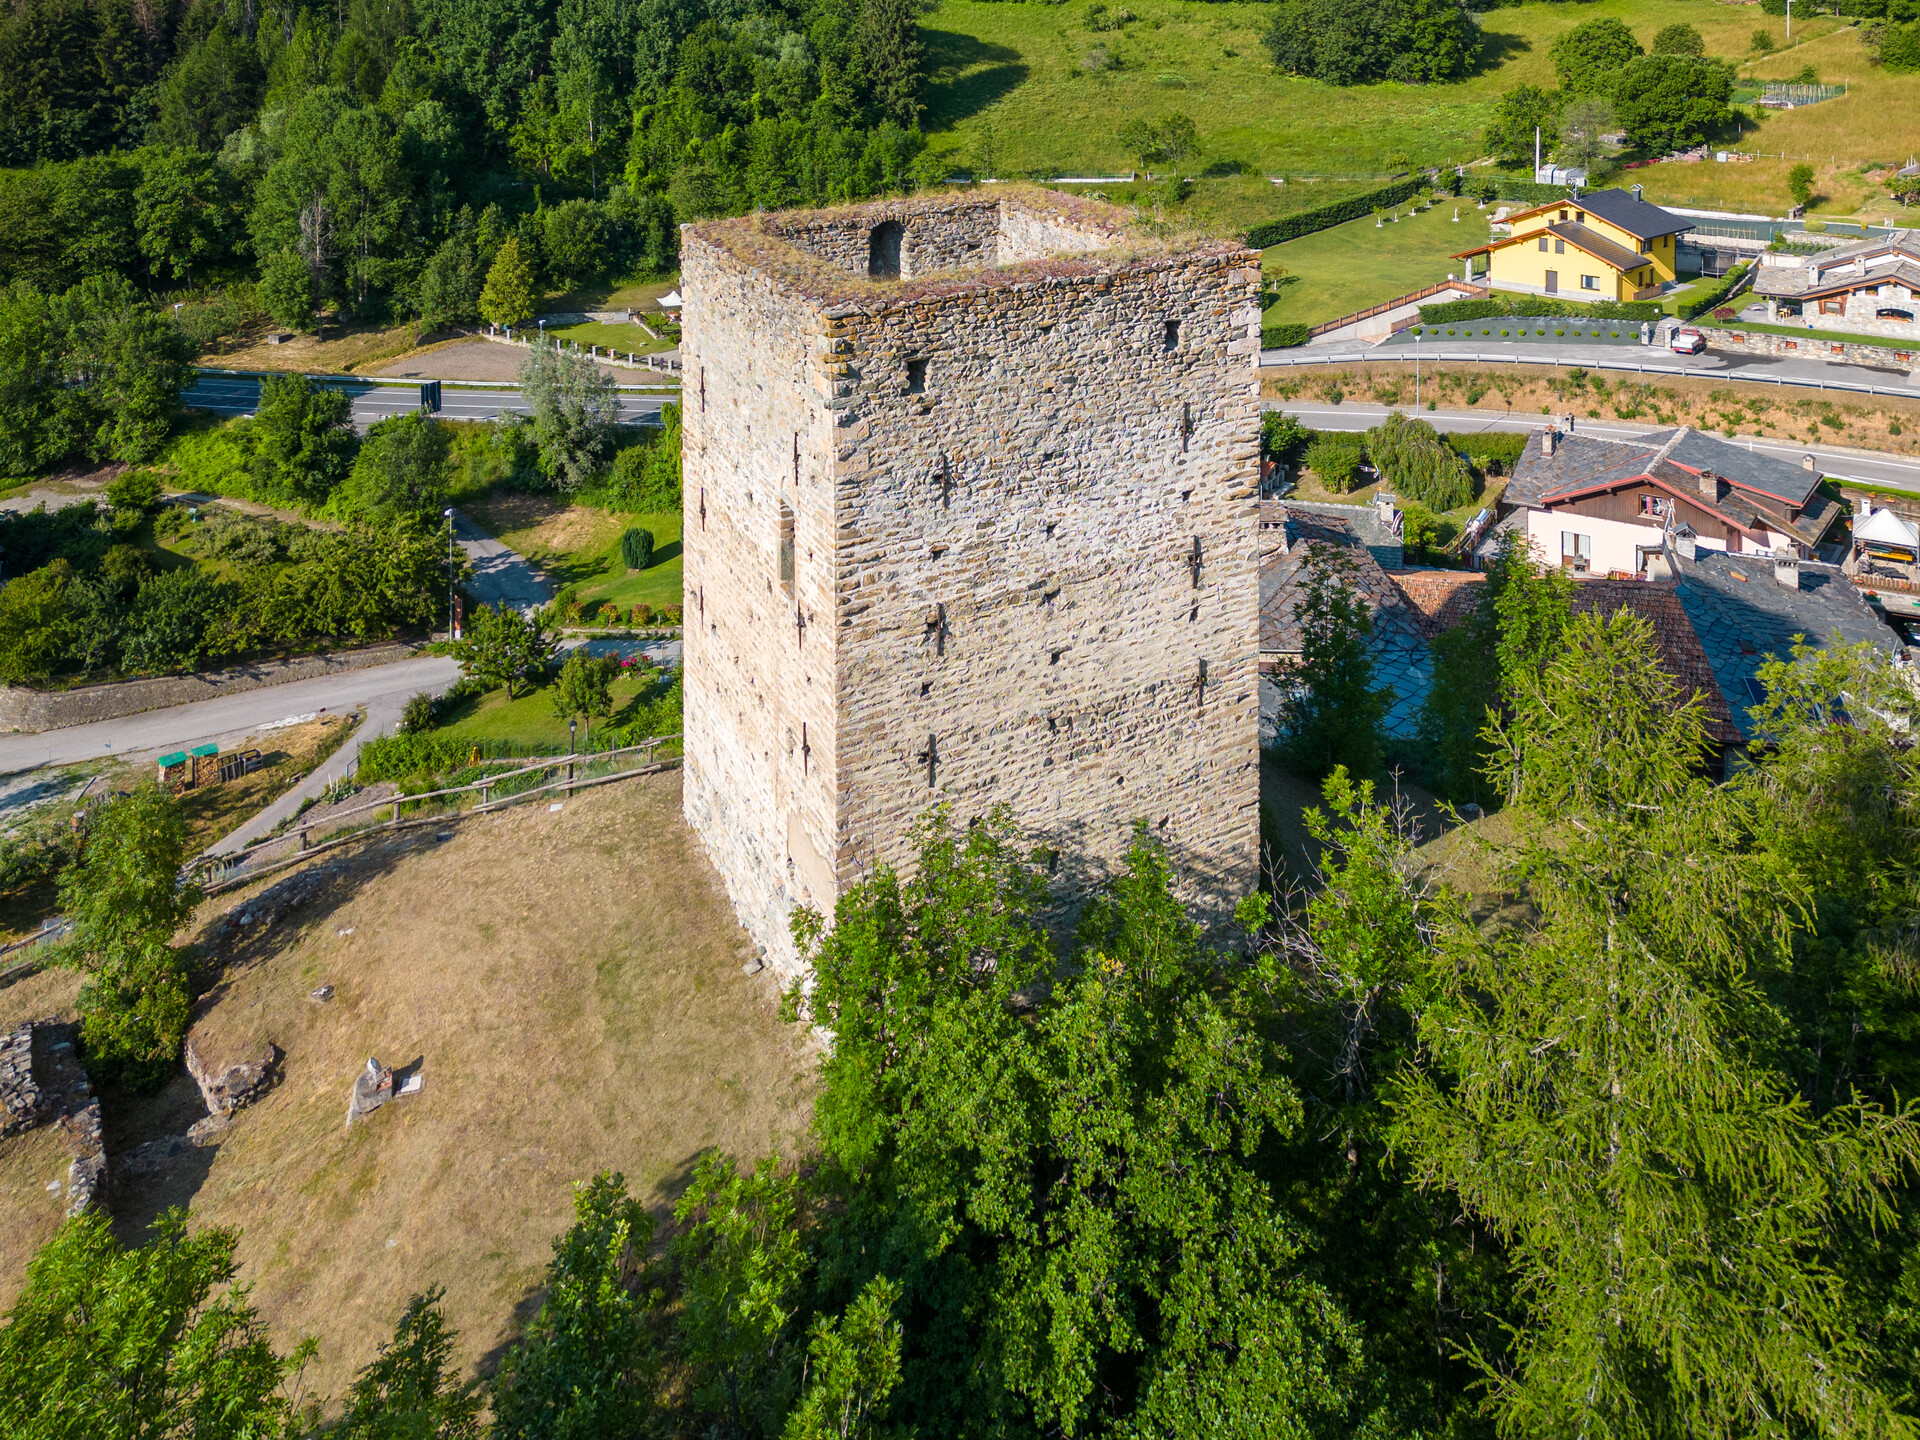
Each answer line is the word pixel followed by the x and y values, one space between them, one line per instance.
pixel 1809 347
pixel 42 1081
pixel 31 711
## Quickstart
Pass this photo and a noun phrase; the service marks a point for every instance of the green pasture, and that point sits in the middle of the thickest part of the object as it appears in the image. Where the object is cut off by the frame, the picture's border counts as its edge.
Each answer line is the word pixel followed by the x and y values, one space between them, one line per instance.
pixel 1336 272
pixel 530 720
pixel 1016 88
pixel 623 338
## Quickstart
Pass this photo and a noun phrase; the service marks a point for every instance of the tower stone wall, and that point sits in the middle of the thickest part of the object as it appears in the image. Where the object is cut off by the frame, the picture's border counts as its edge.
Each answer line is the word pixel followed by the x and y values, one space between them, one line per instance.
pixel 982 534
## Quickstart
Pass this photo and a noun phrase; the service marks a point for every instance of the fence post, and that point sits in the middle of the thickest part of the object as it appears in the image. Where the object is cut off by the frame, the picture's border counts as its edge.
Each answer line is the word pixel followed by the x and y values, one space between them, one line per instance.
pixel 303 838
pixel 396 811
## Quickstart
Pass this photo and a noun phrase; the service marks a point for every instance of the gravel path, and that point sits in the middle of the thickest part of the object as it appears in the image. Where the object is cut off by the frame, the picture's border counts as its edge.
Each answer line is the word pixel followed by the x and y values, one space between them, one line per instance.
pixel 482 360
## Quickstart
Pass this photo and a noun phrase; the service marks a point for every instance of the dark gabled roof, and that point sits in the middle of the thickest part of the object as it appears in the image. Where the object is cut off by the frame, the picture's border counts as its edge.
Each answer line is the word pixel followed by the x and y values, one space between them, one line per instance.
pixel 1598 246
pixel 1617 207
pixel 1742 617
pixel 1768 474
pixel 1675 460
pixel 1904 273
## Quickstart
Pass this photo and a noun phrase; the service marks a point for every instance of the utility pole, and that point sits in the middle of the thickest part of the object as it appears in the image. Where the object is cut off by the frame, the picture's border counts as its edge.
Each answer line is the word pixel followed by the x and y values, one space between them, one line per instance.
pixel 449 516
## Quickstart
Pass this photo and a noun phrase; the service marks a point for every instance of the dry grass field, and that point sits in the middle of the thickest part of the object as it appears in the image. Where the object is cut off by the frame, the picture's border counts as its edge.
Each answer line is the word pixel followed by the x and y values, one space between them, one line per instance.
pixel 1722 406
pixel 570 986
pixel 28 1163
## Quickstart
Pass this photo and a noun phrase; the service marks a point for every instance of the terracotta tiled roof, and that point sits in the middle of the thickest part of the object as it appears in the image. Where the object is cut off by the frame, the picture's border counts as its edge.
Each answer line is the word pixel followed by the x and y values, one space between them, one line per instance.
pixel 1680 649
pixel 1443 598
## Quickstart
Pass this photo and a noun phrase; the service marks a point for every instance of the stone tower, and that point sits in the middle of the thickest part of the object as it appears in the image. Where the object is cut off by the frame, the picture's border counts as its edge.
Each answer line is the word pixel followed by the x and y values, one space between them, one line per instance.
pixel 971 516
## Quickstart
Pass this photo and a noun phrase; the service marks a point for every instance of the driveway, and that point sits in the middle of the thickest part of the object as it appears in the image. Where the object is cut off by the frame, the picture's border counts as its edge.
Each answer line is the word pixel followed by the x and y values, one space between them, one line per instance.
pixel 500 576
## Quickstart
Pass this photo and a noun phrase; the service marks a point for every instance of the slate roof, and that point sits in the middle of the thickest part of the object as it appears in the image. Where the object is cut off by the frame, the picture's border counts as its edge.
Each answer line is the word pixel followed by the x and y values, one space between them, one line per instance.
pixel 1804 284
pixel 1444 598
pixel 1636 217
pixel 1400 655
pixel 1742 617
pixel 1597 245
pixel 1676 459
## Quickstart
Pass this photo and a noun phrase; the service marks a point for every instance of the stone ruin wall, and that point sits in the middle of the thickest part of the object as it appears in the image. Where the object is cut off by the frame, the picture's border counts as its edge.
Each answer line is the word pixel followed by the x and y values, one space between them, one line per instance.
pixel 1016 567
pixel 760 708
pixel 43 1082
pixel 1003 563
pixel 939 235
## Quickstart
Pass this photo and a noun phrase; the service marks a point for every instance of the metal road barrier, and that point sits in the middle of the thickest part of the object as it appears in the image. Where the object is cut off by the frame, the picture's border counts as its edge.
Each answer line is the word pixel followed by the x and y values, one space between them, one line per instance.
pixel 1277 359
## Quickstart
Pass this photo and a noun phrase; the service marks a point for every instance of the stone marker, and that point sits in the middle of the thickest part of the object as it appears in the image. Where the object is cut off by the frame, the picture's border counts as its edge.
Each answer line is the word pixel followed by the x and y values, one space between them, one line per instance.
pixel 372 1088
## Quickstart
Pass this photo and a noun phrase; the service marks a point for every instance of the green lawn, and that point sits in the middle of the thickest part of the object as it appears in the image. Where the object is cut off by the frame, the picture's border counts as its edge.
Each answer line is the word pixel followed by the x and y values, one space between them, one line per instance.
pixel 1028 87
pixel 1336 272
pixel 579 546
pixel 529 720
pixel 624 338
pixel 658 584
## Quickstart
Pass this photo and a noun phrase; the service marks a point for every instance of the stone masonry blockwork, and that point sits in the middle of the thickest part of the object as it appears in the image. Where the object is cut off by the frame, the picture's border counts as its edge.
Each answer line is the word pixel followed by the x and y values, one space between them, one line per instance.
pixel 983 534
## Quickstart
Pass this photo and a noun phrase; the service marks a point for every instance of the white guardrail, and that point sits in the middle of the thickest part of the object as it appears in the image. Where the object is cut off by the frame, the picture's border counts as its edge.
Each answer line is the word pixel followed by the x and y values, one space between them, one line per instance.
pixel 1278 358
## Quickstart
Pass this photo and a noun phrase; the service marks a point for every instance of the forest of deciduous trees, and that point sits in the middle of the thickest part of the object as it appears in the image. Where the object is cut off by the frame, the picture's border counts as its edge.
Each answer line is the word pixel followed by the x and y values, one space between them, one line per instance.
pixel 373 157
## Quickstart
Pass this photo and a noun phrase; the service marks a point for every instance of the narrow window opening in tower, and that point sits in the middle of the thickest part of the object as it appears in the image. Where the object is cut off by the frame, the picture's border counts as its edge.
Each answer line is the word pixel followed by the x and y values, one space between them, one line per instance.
pixel 786 547
pixel 883 250
pixel 1172 335
pixel 916 377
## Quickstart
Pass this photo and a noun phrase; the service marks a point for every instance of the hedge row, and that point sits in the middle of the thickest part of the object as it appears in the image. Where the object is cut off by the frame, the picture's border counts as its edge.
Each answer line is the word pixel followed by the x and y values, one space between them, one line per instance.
pixel 1495 307
pixel 1729 285
pixel 1528 192
pixel 1496 450
pixel 1292 227
pixel 395 757
pixel 1282 337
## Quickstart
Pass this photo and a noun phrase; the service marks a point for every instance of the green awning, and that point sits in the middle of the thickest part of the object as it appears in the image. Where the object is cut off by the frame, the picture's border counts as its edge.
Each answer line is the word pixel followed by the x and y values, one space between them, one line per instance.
pixel 205 750
pixel 178 757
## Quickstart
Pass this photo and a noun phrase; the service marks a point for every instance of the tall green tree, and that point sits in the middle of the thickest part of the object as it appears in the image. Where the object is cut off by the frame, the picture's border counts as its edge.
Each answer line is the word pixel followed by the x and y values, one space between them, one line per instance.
pixel 1063 1166
pixel 507 300
pixel 125 900
pixel 1590 1090
pixel 303 445
pixel 129 365
pixel 1513 629
pixel 504 648
pixel 403 468
pixel 584 688
pixel 146 1342
pixel 1590 58
pixel 1332 709
pixel 575 409
pixel 589 1361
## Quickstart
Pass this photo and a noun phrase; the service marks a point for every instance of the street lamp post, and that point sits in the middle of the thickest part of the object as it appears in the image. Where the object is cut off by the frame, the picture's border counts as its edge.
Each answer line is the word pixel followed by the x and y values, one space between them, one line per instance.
pixel 1416 370
pixel 448 512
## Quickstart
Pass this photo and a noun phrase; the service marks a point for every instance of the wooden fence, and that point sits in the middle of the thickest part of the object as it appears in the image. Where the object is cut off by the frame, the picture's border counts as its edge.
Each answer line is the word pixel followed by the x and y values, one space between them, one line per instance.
pixel 224 872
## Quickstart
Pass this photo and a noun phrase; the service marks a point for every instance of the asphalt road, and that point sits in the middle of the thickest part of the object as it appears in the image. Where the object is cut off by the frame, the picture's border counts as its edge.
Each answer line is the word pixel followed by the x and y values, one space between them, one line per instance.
pixel 1711 364
pixel 1868 467
pixel 225 715
pixel 240 395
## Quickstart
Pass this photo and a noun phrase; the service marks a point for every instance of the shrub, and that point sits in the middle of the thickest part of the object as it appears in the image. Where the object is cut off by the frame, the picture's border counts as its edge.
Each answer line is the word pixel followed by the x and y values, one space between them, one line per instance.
pixel 1533 306
pixel 641 614
pixel 134 490
pixel 396 757
pixel 417 715
pixel 1410 455
pixel 1282 436
pixel 1717 295
pixel 1284 336
pixel 636 548
pixel 1336 459
pixel 1493 452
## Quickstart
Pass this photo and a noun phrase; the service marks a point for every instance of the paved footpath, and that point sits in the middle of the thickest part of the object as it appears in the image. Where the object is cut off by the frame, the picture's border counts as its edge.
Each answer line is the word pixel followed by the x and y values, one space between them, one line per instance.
pixel 1867 466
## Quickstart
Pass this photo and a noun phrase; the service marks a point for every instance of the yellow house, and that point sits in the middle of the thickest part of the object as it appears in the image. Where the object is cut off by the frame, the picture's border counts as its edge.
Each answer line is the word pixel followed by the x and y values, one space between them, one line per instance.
pixel 1609 245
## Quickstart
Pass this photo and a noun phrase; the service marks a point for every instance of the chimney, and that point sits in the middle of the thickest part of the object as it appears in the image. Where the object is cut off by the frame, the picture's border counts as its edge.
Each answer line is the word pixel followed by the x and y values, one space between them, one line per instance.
pixel 1548 439
pixel 1807 462
pixel 1636 191
pixel 1683 539
pixel 1383 508
pixel 1709 485
pixel 1786 568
